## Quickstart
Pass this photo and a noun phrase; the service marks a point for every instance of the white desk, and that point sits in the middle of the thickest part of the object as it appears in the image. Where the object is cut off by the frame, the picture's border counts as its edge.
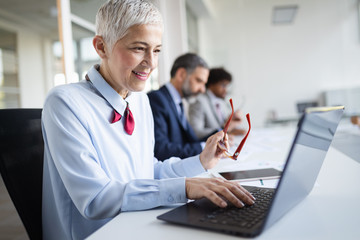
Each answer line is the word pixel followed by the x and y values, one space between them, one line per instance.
pixel 331 211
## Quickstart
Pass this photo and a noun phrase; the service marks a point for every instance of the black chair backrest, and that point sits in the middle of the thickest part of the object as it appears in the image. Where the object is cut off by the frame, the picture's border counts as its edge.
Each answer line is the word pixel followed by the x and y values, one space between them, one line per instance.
pixel 21 164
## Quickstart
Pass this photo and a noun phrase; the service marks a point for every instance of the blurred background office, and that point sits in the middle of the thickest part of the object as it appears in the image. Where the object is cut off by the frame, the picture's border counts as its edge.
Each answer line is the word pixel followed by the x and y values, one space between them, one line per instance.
pixel 283 54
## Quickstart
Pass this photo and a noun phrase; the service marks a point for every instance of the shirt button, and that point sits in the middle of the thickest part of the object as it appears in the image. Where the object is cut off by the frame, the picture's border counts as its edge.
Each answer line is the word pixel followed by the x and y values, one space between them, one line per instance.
pixel 170 199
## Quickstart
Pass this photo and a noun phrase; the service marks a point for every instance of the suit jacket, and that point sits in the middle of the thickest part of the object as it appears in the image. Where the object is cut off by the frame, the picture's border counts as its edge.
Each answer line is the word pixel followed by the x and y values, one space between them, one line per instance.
pixel 203 117
pixel 171 138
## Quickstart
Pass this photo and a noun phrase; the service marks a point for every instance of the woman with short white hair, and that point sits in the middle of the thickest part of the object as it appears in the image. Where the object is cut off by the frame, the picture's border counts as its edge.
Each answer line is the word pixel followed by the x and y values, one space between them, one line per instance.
pixel 99 135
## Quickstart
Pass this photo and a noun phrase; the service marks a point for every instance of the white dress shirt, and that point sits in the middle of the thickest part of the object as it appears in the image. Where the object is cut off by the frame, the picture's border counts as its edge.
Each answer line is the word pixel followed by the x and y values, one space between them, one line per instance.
pixel 93 169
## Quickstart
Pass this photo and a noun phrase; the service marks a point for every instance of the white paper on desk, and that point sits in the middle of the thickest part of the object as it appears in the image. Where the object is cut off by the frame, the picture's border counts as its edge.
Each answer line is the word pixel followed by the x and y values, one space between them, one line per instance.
pixel 263 141
pixel 269 183
pixel 253 145
pixel 229 165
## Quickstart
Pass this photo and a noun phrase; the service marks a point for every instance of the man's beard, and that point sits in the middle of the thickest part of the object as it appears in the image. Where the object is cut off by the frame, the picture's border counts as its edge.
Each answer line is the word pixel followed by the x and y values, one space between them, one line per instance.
pixel 186 89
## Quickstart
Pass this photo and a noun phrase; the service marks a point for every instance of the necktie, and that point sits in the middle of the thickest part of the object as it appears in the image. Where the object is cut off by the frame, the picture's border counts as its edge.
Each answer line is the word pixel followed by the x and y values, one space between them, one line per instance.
pixel 129 120
pixel 182 115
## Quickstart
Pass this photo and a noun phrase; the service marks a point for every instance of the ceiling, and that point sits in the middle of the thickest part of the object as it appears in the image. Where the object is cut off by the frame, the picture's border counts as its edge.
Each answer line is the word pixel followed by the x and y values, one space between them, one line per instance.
pixel 41 15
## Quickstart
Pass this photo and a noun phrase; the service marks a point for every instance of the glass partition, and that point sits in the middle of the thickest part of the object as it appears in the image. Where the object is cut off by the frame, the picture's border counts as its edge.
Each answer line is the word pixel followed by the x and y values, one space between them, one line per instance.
pixel 9 83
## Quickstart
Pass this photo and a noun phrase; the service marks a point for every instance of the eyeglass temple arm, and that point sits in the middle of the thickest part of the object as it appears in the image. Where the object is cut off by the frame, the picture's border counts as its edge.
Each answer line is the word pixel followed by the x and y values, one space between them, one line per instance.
pixel 237 152
pixel 232 113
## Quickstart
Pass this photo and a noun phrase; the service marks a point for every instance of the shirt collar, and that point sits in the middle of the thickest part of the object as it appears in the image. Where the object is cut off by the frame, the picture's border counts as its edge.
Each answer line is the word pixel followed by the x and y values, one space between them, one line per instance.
pixel 175 95
pixel 108 93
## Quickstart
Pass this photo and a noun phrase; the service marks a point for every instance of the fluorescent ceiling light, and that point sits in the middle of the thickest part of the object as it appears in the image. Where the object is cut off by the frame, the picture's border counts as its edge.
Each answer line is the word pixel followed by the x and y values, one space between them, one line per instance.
pixel 284 14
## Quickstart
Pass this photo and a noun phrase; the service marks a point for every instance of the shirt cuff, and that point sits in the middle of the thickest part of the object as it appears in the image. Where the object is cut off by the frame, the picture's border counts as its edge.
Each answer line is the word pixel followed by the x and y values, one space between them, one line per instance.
pixel 172 191
pixel 202 145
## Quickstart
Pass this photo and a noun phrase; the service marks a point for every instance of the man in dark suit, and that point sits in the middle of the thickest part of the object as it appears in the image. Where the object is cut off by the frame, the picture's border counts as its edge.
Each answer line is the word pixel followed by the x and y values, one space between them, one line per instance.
pixel 174 137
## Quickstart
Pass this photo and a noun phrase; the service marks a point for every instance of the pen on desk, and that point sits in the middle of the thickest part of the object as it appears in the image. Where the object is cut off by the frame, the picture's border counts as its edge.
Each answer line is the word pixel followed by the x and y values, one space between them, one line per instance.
pixel 261 181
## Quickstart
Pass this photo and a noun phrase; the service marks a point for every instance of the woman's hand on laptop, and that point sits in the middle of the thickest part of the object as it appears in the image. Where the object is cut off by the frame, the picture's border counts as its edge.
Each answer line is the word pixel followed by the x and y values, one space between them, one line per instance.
pixel 219 191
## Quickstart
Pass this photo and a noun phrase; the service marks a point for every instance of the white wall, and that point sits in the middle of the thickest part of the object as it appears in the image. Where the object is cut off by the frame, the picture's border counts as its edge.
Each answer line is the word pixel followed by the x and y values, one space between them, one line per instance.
pixel 174 36
pixel 276 66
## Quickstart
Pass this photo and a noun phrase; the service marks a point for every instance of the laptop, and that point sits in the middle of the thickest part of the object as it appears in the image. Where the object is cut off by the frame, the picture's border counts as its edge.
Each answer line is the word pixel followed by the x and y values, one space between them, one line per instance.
pixel 315 131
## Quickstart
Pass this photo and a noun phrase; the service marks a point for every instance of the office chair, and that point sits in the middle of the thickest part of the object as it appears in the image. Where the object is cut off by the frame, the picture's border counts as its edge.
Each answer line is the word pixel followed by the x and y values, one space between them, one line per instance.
pixel 21 164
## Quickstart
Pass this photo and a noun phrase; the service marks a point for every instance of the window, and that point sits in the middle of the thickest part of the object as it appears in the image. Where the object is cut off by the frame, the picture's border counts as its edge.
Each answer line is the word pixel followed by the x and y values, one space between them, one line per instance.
pixel 192 28
pixel 9 83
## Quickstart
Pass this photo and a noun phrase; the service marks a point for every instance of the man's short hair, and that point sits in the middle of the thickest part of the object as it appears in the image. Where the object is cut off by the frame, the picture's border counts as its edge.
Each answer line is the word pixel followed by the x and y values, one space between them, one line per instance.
pixel 189 61
pixel 217 75
pixel 115 17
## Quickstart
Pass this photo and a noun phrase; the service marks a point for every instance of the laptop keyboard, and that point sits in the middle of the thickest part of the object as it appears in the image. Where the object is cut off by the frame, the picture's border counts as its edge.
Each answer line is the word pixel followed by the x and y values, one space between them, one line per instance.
pixel 245 217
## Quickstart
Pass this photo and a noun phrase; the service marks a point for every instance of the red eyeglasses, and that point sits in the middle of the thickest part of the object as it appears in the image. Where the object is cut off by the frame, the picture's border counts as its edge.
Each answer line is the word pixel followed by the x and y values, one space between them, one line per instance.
pixel 221 143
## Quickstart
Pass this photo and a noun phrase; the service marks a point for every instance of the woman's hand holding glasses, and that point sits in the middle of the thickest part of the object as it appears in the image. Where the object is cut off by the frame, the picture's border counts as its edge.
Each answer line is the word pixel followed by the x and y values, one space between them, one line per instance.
pixel 221 143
